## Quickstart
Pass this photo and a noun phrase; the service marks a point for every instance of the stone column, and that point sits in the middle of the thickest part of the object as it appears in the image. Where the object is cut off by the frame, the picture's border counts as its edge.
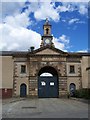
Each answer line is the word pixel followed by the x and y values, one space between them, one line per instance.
pixel 33 86
pixel 14 80
pixel 62 87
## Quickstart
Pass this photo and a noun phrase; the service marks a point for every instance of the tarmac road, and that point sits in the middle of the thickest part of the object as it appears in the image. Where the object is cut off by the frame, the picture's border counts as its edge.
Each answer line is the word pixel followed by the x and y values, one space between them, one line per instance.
pixel 45 108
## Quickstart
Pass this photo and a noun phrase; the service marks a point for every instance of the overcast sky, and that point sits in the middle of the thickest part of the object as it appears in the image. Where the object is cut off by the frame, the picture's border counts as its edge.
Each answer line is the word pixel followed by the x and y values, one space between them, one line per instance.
pixel 21 24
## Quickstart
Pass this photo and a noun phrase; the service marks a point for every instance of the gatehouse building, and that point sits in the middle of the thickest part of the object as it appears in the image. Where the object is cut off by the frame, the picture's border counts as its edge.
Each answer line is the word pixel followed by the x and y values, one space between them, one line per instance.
pixel 22 70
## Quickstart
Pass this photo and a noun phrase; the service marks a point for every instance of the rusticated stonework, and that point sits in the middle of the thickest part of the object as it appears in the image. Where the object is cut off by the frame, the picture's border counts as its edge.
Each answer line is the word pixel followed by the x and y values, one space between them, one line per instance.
pixel 37 60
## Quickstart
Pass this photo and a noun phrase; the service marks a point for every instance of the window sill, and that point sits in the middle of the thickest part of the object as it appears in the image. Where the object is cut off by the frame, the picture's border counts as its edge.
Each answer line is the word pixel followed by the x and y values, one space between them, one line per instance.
pixel 23 73
pixel 72 73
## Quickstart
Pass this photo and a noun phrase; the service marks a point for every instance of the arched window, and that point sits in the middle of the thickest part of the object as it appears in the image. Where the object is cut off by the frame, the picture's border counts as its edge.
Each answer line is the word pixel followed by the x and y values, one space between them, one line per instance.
pixel 47 31
pixel 46 74
pixel 72 89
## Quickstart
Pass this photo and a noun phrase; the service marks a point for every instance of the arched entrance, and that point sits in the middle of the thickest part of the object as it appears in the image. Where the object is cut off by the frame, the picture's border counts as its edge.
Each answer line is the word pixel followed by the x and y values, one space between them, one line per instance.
pixel 23 90
pixel 48 85
pixel 72 89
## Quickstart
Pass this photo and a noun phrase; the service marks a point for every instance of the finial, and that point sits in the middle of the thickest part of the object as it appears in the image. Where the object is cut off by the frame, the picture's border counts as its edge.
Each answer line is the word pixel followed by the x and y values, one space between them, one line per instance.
pixel 47 21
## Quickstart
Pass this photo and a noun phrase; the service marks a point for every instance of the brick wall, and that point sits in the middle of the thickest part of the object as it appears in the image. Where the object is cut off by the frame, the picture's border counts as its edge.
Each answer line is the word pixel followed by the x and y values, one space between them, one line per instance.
pixel 5 93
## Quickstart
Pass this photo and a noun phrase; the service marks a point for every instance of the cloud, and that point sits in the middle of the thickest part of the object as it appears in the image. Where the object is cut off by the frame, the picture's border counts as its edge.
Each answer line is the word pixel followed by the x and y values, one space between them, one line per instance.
pixel 42 10
pixel 18 20
pixel 46 10
pixel 65 8
pixel 74 20
pixel 14 30
pixel 64 39
pixel 80 7
pixel 9 8
pixel 82 51
pixel 83 10
pixel 62 42
pixel 58 44
pixel 45 0
pixel 18 38
pixel 15 35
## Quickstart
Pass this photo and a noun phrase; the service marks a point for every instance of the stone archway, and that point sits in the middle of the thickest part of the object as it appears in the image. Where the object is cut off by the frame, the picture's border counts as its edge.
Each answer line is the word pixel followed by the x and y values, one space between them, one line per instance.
pixel 48 86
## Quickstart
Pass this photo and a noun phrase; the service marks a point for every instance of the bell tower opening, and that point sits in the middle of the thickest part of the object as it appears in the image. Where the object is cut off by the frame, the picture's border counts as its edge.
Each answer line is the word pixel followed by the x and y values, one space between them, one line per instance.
pixel 47 37
pixel 47 31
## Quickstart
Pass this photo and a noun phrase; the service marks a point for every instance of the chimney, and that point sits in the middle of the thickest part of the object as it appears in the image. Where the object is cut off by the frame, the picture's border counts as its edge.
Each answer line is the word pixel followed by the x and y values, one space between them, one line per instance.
pixel 32 48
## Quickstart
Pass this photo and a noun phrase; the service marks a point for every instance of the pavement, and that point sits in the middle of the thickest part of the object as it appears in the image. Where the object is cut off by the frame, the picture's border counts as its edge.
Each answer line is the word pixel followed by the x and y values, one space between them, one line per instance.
pixel 44 108
pixel 11 100
pixel 81 100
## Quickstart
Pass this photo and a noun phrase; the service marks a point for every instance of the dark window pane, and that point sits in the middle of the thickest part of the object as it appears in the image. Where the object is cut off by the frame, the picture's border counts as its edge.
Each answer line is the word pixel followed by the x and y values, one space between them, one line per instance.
pixel 47 31
pixel 23 68
pixel 72 69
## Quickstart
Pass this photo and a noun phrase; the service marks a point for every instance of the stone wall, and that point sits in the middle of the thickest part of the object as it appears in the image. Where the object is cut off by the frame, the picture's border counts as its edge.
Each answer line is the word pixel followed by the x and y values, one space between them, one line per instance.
pixel 85 73
pixel 6 75
pixel 13 78
pixel 34 65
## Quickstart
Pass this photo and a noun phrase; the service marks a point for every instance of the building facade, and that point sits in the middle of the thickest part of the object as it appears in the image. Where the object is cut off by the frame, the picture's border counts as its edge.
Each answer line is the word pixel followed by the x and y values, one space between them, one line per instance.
pixel 21 74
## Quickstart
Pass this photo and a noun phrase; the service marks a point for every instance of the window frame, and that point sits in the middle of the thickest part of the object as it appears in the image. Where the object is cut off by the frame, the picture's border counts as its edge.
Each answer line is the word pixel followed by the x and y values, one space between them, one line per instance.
pixel 72 70
pixel 24 69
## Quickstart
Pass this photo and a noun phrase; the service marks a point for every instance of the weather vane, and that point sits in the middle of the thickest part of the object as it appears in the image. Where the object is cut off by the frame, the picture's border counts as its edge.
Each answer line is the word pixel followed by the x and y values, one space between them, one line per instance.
pixel 47 20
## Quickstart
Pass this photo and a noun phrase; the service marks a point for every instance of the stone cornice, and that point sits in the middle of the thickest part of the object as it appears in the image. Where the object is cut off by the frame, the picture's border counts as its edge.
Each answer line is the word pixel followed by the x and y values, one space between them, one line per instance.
pixel 33 53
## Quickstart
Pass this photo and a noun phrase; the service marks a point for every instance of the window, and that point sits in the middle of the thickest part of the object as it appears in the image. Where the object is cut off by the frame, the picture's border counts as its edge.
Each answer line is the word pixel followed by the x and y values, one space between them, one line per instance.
pixel 43 83
pixel 47 30
pixel 23 68
pixel 72 69
pixel 51 83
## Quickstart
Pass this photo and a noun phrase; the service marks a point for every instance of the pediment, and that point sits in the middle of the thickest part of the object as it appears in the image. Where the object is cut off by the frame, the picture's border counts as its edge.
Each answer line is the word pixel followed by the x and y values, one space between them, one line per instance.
pixel 49 51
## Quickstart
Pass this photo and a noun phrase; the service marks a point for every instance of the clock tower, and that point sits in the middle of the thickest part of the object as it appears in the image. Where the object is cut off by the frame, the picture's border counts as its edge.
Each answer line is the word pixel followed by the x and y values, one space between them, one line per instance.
pixel 47 37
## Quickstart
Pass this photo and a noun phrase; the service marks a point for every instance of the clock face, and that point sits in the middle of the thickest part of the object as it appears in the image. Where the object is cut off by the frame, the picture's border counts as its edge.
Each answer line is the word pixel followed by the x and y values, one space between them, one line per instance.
pixel 47 41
